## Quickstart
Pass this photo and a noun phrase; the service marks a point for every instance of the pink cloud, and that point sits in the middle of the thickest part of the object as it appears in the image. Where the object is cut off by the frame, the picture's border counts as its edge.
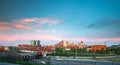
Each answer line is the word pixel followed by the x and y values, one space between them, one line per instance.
pixel 22 23
pixel 22 27
pixel 39 21
pixel 7 26
pixel 39 31
pixel 15 37
pixel 27 20
pixel 3 23
pixel 6 38
pixel 4 26
pixel 46 31
pixel 95 40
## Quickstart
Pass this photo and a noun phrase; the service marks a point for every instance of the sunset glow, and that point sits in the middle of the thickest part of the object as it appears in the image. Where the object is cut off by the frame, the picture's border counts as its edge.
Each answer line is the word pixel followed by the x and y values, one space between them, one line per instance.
pixel 55 20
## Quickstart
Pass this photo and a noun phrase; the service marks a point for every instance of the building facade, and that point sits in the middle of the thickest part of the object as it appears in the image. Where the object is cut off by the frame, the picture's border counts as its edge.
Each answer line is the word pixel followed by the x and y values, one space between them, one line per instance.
pixel 97 47
pixel 35 43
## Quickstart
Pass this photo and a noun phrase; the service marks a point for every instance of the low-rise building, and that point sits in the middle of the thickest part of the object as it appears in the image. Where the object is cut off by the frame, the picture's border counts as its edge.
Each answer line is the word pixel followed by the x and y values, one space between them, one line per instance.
pixel 97 47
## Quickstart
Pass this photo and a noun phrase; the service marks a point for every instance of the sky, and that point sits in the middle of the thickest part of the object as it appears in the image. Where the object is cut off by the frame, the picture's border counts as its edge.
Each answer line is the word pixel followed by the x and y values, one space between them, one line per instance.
pixel 90 21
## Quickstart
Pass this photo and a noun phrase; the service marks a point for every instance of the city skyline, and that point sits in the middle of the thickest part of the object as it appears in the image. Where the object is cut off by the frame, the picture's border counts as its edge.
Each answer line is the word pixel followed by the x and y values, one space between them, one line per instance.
pixel 90 21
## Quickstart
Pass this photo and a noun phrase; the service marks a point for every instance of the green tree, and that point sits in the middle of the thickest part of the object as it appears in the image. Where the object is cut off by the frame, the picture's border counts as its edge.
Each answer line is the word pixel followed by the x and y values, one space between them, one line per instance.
pixel 58 49
pixel 72 50
pixel 117 51
pixel 82 50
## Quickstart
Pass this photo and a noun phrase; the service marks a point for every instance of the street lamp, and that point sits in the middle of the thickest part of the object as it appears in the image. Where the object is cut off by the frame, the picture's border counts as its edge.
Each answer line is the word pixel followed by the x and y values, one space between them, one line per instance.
pixel 94 55
pixel 75 53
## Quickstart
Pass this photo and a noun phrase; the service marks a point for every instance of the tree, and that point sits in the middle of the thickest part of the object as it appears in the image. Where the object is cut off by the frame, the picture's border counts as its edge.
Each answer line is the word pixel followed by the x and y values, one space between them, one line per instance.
pixel 82 50
pixel 72 50
pixel 58 49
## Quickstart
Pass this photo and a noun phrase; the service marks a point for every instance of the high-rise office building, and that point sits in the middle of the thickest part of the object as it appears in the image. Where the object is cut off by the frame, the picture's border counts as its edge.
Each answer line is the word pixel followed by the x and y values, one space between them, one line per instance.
pixel 32 42
pixel 35 42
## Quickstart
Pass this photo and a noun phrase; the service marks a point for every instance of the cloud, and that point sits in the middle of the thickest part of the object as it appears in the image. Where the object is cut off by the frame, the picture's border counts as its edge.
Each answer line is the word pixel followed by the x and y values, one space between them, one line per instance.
pixel 4 26
pixel 48 39
pixel 94 40
pixel 105 23
pixel 11 25
pixel 46 31
pixel 107 28
pixel 20 26
pixel 38 31
pixel 41 21
pixel 17 37
pixel 27 23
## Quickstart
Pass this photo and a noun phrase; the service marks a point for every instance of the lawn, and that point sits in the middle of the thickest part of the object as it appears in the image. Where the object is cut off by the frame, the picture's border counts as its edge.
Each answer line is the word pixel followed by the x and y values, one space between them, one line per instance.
pixel 108 59
pixel 18 62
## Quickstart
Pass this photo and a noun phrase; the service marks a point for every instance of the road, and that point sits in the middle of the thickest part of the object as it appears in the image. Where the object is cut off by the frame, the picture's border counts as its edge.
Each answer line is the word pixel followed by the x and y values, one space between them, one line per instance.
pixel 82 61
pixel 5 63
pixel 77 62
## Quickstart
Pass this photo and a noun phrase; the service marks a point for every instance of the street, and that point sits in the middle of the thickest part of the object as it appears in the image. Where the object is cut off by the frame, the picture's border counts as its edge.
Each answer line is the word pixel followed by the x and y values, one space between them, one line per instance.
pixel 5 63
pixel 66 61
pixel 77 62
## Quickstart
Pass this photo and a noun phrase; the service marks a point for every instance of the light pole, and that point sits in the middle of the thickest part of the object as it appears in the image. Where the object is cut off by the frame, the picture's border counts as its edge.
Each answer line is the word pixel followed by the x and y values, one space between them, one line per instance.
pixel 75 53
pixel 94 55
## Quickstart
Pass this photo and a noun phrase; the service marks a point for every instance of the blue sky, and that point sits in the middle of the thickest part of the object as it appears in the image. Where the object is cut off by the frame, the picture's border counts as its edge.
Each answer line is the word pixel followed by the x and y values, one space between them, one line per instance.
pixel 92 21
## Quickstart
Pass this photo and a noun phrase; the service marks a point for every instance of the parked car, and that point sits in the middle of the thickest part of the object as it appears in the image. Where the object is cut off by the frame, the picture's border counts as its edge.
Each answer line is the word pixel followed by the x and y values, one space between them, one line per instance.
pixel 42 62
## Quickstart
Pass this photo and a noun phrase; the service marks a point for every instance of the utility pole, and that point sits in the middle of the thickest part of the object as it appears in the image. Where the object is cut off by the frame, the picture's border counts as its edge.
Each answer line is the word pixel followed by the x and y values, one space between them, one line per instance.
pixel 54 53
pixel 94 55
pixel 75 54
pixel 106 48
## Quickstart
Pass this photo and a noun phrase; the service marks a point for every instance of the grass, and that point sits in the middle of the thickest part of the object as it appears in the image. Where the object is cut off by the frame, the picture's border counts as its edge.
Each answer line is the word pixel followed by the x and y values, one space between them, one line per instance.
pixel 113 59
pixel 18 62
pixel 108 59
pixel 81 55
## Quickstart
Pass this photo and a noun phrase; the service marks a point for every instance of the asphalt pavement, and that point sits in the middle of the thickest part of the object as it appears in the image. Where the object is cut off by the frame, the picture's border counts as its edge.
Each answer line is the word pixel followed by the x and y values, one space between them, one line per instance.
pixel 66 61
pixel 5 63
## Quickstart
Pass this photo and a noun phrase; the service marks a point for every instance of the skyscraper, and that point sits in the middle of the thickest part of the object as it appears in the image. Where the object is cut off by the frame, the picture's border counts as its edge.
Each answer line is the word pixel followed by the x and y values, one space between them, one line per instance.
pixel 35 42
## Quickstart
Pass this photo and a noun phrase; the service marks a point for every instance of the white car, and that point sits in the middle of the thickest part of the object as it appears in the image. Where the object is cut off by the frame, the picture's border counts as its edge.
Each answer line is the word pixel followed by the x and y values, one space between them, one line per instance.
pixel 42 62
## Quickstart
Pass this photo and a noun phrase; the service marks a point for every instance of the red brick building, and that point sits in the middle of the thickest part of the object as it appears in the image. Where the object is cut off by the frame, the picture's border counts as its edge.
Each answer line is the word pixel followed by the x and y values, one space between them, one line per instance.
pixel 97 47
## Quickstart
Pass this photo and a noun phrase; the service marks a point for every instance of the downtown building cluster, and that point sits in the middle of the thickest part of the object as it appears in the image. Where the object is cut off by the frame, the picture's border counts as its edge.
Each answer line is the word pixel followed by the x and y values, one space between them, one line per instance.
pixel 36 46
